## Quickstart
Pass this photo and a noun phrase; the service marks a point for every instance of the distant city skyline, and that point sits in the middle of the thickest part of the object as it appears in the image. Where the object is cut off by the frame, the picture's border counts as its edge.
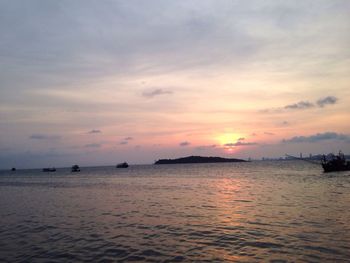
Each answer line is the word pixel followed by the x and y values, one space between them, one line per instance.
pixel 102 82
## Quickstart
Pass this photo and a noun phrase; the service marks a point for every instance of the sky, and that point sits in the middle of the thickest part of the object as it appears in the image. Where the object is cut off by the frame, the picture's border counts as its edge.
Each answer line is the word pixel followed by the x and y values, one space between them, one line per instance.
pixel 102 82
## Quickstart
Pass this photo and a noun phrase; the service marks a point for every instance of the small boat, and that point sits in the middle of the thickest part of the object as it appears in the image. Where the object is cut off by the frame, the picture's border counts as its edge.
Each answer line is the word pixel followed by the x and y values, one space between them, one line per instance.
pixel 335 163
pixel 123 165
pixel 75 168
pixel 53 169
pixel 13 169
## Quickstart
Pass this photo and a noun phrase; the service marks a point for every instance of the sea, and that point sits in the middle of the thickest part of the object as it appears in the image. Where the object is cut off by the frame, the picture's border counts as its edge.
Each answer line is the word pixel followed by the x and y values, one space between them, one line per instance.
pixel 260 211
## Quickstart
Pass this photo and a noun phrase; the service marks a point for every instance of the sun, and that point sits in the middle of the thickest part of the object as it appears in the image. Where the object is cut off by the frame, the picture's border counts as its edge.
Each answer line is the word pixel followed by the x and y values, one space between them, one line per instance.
pixel 230 149
pixel 227 138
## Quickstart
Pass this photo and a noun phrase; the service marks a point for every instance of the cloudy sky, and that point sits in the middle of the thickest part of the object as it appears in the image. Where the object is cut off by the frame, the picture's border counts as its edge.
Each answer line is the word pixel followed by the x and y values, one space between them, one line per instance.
pixel 100 82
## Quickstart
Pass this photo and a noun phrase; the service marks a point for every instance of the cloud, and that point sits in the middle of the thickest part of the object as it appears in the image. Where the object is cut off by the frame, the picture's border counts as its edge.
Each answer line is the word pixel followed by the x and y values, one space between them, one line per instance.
pixel 126 140
pixel 128 43
pixel 93 145
pixel 239 143
pixel 300 105
pixel 304 105
pixel 184 144
pixel 156 92
pixel 329 100
pixel 44 137
pixel 318 137
pixel 241 139
pixel 94 131
pixel 269 133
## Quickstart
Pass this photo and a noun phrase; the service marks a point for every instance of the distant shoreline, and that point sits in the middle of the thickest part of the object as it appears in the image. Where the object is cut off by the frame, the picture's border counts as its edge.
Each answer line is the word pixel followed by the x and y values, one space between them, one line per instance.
pixel 198 159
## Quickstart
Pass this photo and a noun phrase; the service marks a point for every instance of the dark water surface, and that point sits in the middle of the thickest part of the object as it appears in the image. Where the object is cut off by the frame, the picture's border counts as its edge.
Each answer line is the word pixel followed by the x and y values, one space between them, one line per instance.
pixel 242 212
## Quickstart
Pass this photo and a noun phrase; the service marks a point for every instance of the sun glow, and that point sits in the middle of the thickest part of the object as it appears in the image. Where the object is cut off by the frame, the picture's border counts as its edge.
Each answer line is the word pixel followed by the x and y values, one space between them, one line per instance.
pixel 228 138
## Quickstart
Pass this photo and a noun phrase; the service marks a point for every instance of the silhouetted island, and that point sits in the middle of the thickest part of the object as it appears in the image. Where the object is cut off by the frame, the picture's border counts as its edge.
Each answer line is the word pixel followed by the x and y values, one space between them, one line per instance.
pixel 198 159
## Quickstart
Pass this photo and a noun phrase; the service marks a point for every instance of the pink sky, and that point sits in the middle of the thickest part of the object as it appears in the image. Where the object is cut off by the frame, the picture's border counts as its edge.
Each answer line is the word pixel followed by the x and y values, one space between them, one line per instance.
pixel 136 81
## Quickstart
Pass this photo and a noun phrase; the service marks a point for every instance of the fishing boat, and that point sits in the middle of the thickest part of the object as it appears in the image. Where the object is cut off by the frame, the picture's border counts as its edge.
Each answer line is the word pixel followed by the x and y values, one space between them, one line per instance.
pixel 329 163
pixel 75 168
pixel 335 163
pixel 53 169
pixel 123 165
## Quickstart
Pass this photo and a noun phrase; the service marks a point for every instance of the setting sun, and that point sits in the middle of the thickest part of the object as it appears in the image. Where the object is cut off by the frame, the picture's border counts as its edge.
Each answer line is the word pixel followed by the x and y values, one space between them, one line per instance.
pixel 229 138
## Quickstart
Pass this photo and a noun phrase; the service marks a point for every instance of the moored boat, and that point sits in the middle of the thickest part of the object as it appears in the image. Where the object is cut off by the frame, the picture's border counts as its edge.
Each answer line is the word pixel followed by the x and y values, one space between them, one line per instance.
pixel 335 163
pixel 329 163
pixel 53 169
pixel 75 168
pixel 123 165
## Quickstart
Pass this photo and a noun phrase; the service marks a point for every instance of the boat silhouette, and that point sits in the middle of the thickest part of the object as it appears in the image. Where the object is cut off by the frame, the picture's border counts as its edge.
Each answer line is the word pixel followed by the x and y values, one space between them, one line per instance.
pixel 53 169
pixel 329 163
pixel 335 163
pixel 75 168
pixel 122 165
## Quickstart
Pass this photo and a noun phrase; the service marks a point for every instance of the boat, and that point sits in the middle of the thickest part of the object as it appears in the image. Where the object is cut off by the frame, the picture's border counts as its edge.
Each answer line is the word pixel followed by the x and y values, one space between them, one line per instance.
pixel 75 168
pixel 335 163
pixel 13 169
pixel 329 163
pixel 53 169
pixel 123 165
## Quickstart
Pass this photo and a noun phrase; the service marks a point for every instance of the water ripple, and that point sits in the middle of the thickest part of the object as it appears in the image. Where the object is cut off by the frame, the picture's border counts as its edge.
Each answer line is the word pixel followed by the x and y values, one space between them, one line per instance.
pixel 202 213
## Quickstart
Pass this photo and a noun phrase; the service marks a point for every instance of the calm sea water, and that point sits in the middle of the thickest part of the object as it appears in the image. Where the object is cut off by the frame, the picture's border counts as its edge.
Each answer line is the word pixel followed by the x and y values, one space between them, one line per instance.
pixel 243 212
